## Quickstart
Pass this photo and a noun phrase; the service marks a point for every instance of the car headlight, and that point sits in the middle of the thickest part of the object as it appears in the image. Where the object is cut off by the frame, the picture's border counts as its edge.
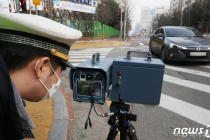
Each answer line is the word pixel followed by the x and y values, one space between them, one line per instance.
pixel 209 48
pixel 177 46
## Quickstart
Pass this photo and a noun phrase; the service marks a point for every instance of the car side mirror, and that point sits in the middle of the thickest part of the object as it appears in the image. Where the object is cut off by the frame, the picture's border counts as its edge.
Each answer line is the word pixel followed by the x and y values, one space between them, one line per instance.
pixel 205 36
pixel 160 35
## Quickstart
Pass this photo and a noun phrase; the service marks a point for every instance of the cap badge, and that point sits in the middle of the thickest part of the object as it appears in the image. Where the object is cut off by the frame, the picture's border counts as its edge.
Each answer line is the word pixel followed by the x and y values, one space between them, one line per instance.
pixel 59 54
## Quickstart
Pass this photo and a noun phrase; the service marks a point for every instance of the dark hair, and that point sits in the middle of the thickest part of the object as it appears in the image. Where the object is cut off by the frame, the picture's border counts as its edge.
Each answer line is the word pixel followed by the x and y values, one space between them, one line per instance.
pixel 18 59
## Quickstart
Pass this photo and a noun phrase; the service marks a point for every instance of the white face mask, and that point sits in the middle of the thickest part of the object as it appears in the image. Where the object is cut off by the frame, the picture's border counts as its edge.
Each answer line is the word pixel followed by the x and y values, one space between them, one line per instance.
pixel 54 87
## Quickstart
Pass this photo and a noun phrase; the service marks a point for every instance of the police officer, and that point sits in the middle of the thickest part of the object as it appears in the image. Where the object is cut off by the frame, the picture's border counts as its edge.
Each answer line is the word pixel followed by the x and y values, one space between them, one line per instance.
pixel 33 52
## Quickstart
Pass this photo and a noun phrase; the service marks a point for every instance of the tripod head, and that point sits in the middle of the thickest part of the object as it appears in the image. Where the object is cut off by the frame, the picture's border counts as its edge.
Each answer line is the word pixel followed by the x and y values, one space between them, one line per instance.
pixel 120 121
pixel 121 109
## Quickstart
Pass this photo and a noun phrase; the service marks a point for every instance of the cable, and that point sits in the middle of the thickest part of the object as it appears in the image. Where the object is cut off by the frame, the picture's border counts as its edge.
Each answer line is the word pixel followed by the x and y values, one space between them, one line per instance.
pixel 118 88
pixel 97 112
pixel 93 106
pixel 88 118
pixel 92 101
pixel 120 97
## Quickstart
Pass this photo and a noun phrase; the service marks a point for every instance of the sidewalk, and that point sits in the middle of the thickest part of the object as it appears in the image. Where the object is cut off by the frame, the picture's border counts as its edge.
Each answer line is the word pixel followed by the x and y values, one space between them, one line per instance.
pixel 42 115
pixel 51 117
pixel 97 44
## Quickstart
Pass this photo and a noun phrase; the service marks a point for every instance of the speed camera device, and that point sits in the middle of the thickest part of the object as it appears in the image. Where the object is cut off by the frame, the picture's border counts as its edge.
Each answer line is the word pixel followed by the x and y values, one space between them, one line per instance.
pixel 139 79
pixel 135 80
pixel 91 79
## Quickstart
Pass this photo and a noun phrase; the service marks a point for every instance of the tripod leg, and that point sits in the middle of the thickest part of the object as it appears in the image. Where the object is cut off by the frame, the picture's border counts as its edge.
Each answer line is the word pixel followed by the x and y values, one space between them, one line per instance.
pixel 131 131
pixel 113 131
pixel 123 133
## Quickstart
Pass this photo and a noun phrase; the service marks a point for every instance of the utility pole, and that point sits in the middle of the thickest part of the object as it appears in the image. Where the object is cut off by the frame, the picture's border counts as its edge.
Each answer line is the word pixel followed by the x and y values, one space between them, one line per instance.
pixel 121 24
pixel 181 18
pixel 125 22
pixel 181 13
pixel 17 6
pixel 30 6
pixel 36 10
pixel 97 11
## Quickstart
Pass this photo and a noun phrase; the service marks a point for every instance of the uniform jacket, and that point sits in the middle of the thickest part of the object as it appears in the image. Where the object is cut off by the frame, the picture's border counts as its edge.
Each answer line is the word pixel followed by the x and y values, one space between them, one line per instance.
pixel 12 126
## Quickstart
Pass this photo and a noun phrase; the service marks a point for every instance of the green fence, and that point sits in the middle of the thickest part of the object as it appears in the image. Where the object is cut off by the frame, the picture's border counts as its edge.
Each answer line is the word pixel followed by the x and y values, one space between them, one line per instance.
pixel 109 31
pixel 98 28
pixel 91 28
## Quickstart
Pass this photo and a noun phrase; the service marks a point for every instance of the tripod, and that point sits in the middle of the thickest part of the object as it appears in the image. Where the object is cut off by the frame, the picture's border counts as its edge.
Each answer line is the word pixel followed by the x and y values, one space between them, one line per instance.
pixel 123 124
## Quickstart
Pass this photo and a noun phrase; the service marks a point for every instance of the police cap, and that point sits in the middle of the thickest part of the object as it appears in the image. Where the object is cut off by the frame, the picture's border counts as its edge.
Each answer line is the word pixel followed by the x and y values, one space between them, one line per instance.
pixel 37 34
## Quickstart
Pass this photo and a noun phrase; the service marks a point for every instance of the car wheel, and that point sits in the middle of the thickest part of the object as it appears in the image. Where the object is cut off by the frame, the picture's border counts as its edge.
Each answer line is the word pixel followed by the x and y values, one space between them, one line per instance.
pixel 163 55
pixel 150 48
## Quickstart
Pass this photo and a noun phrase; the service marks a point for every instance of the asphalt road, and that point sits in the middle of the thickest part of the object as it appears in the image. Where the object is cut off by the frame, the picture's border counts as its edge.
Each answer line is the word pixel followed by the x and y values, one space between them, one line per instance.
pixel 185 102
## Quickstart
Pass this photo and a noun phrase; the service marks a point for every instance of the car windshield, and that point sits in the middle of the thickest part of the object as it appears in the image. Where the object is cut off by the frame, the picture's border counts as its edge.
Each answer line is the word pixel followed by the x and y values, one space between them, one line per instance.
pixel 182 32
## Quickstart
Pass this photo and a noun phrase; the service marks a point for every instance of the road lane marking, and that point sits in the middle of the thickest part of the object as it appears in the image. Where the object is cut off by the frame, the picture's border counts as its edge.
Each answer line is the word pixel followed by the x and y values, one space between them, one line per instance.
pixel 137 48
pixel 75 64
pixel 190 111
pixel 187 83
pixel 208 67
pixel 78 52
pixel 195 72
pixel 84 56
pixel 91 51
pixel 79 56
pixel 77 60
pixel 141 44
pixel 90 54
pixel 99 50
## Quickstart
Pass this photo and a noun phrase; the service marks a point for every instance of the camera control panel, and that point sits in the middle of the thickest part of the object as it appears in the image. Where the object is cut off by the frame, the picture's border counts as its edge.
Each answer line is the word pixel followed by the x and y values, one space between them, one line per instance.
pixel 90 81
pixel 88 84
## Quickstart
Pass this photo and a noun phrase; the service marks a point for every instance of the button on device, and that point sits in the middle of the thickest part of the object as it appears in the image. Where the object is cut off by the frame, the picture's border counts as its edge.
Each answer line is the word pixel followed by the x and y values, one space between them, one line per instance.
pixel 89 77
pixel 119 78
pixel 119 73
pixel 82 76
pixel 99 77
pixel 76 75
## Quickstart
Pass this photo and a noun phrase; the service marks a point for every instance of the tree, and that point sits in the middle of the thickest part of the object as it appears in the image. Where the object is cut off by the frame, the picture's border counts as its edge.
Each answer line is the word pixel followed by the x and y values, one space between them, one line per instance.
pixel 186 17
pixel 176 18
pixel 129 13
pixel 195 14
pixel 206 15
pixel 206 10
pixel 164 20
pixel 107 13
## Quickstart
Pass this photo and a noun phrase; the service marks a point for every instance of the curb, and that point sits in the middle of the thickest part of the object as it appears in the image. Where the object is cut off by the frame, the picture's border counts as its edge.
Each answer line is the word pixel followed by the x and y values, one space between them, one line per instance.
pixel 128 42
pixel 59 129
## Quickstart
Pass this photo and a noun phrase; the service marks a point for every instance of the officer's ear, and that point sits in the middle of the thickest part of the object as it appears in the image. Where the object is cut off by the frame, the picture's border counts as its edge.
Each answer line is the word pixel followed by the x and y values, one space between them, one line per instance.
pixel 42 67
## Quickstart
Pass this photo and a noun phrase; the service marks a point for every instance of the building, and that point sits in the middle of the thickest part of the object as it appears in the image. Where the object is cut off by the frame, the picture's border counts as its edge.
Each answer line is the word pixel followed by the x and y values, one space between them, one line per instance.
pixel 118 1
pixel 156 13
pixel 176 5
pixel 146 19
pixel 187 3
pixel 149 17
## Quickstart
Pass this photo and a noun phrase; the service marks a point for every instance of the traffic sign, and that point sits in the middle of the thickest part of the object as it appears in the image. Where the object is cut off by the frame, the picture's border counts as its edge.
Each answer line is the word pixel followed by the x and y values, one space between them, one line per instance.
pixel 36 2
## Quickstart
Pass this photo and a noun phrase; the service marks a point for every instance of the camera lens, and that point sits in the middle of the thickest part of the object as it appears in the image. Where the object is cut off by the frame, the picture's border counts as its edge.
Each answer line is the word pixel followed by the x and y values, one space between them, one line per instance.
pixel 82 76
